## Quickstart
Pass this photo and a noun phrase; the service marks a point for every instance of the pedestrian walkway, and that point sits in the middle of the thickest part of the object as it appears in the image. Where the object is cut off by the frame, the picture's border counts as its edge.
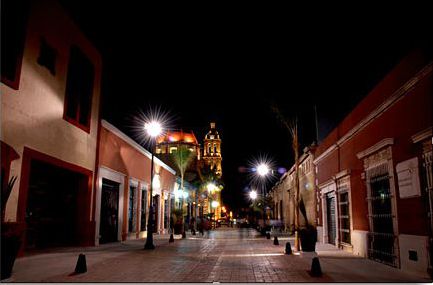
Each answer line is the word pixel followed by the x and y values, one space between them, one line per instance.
pixel 222 255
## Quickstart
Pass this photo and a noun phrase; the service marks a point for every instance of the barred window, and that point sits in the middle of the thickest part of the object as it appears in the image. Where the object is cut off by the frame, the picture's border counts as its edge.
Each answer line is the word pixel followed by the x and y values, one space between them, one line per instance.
pixel 344 217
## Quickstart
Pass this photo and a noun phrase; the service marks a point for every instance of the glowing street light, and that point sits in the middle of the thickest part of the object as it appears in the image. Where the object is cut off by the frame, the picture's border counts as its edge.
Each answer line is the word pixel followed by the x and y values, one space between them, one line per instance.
pixel 153 129
pixel 185 194
pixel 211 187
pixel 215 204
pixel 262 169
pixel 253 194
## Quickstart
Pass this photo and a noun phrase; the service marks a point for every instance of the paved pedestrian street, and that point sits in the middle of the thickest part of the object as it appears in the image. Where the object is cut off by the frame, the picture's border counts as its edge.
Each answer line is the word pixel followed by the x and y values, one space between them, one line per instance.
pixel 223 255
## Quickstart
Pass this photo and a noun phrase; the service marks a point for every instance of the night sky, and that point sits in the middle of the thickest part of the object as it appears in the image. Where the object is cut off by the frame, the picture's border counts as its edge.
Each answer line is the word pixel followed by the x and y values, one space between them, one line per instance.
pixel 229 66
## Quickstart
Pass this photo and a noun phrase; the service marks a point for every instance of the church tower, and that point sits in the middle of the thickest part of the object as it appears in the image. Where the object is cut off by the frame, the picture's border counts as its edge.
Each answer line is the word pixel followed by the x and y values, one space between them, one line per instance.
pixel 212 149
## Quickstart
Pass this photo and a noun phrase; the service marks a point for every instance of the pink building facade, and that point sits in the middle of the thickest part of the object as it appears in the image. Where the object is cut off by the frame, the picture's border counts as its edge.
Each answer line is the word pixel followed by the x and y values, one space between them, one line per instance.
pixel 122 195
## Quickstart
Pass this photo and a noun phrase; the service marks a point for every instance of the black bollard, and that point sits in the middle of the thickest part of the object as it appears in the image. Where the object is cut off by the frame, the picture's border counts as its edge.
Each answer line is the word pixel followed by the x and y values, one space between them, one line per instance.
pixel 268 236
pixel 276 241
pixel 81 266
pixel 288 248
pixel 193 232
pixel 316 271
pixel 171 238
pixel 184 235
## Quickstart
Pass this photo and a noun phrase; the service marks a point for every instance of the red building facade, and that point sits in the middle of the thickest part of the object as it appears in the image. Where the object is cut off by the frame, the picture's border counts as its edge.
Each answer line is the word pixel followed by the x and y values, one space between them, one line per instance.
pixel 374 173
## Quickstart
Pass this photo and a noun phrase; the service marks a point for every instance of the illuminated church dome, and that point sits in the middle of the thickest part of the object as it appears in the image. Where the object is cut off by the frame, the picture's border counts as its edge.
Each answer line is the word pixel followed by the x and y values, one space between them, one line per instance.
pixel 178 137
pixel 172 140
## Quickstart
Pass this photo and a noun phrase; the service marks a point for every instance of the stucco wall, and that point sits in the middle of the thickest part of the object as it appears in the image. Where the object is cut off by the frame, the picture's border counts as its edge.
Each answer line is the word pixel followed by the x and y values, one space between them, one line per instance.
pixel 32 116
pixel 117 154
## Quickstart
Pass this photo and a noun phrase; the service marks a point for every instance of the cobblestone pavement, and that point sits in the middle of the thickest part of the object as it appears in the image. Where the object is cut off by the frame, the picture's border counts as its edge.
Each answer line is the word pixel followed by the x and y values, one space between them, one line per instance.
pixel 224 255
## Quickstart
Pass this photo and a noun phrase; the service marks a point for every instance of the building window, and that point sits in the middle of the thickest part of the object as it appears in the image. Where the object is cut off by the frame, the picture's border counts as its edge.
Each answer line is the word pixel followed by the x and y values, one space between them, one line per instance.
pixel 47 56
pixel 79 89
pixel 344 217
pixel 214 148
pixel 143 208
pixel 13 28
pixel 209 148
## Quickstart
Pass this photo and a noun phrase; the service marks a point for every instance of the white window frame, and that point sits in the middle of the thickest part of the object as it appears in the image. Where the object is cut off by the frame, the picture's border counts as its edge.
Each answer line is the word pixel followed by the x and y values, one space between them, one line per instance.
pixel 329 188
pixel 377 155
pixel 344 183
pixel 110 174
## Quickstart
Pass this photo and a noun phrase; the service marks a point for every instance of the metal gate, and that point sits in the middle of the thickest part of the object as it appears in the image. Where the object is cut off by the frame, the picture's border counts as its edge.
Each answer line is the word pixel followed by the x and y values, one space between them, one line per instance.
pixel 381 238
pixel 108 230
pixel 330 215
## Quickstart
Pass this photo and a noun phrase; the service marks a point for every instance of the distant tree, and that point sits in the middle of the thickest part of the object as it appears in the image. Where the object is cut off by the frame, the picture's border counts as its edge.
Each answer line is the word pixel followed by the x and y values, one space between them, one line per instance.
pixel 292 127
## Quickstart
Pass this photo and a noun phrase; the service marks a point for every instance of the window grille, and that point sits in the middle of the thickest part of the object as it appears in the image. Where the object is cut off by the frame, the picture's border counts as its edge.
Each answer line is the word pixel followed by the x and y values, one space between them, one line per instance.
pixel 344 217
pixel 132 209
pixel 381 238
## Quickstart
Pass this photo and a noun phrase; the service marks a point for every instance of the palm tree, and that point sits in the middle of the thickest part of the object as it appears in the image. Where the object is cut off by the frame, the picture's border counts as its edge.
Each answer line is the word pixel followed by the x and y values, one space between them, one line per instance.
pixel 182 158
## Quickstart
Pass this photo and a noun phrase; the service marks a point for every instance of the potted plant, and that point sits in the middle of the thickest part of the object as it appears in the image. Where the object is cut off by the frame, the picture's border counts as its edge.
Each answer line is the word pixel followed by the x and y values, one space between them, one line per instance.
pixel 11 234
pixel 308 235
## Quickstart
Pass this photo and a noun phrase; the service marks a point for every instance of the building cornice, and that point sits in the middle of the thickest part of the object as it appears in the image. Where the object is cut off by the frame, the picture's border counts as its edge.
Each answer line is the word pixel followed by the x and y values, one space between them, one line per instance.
pixel 394 98
pixel 326 183
pixel 325 153
pixel 383 143
pixel 135 145
pixel 422 135
pixel 341 174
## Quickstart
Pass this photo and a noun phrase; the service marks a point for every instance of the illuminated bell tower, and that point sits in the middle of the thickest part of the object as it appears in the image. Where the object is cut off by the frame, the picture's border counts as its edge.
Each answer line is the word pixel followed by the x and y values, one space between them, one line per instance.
pixel 212 149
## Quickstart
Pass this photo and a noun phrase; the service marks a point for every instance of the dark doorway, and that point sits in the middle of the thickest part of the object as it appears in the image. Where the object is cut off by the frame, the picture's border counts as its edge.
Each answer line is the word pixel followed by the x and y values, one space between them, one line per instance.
pixel 108 229
pixel 132 210
pixel 53 210
pixel 330 215
pixel 166 214
pixel 155 212
pixel 143 209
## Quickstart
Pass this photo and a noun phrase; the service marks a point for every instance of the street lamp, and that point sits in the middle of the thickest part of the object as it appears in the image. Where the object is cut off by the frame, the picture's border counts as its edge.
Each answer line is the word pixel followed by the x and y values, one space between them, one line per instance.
pixel 211 187
pixel 214 205
pixel 153 130
pixel 253 194
pixel 263 169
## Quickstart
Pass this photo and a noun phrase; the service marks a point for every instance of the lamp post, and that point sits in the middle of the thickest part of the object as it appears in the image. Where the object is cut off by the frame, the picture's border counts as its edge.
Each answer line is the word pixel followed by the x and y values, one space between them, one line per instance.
pixel 263 170
pixel 214 205
pixel 184 197
pixel 153 129
pixel 211 188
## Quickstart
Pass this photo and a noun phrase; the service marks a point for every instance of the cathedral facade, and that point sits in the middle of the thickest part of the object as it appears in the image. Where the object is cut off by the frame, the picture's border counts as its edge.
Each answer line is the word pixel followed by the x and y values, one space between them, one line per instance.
pixel 208 203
